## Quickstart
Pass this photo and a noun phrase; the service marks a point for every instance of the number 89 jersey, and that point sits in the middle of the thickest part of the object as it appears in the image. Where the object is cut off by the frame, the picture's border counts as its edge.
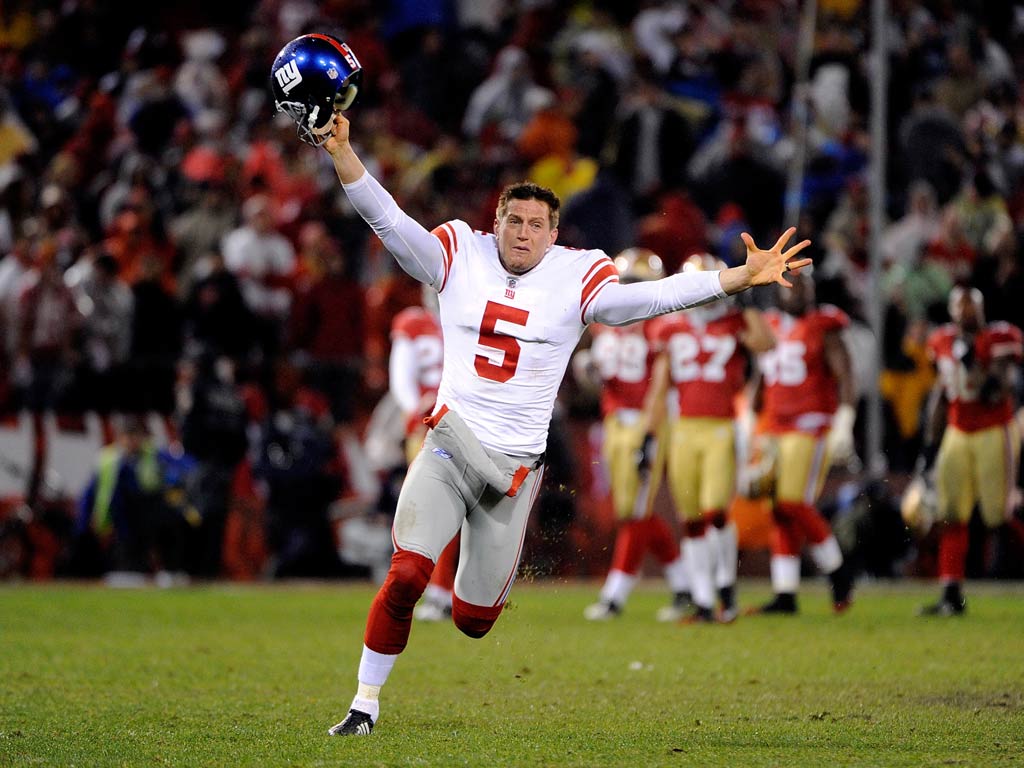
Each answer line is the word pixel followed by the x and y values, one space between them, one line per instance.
pixel 624 357
pixel 707 364
pixel 800 391
pixel 508 338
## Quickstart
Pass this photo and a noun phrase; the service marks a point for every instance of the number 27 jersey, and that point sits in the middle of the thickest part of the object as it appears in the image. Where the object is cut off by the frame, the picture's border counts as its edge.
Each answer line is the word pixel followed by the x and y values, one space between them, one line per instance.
pixel 508 338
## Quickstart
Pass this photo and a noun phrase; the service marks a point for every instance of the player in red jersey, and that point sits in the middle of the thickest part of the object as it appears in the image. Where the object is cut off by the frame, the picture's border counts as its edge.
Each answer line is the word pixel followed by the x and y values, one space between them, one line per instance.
pixel 808 411
pixel 705 358
pixel 979 454
pixel 414 373
pixel 620 362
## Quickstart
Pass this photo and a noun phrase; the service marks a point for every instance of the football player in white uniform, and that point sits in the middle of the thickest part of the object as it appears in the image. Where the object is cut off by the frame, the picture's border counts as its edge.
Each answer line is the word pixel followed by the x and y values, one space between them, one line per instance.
pixel 513 306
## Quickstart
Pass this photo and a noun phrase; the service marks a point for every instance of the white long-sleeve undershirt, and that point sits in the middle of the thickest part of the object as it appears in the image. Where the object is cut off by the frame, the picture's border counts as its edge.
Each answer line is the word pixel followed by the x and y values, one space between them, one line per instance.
pixel 420 254
pixel 402 374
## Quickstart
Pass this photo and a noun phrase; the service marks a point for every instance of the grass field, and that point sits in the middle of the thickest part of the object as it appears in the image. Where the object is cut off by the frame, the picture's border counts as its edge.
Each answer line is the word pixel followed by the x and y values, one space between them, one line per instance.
pixel 254 676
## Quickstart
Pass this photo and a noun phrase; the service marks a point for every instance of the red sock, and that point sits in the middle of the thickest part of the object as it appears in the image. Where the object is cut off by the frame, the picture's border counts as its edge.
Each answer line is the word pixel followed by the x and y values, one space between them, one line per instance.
pixel 953 552
pixel 390 619
pixel 717 518
pixel 694 529
pixel 787 538
pixel 661 540
pixel 630 545
pixel 474 620
pixel 444 570
pixel 808 520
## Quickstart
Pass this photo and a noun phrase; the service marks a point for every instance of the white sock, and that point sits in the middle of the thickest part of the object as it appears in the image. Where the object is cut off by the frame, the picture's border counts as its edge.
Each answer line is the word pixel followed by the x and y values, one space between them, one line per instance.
pixel 374 667
pixel 827 555
pixel 438 595
pixel 676 576
pixel 367 700
pixel 727 555
pixel 617 587
pixel 785 574
pixel 697 554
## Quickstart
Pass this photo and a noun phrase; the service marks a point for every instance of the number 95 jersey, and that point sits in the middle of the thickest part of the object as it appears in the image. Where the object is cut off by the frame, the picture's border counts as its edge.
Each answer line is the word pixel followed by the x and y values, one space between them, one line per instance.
pixel 508 338
pixel 800 391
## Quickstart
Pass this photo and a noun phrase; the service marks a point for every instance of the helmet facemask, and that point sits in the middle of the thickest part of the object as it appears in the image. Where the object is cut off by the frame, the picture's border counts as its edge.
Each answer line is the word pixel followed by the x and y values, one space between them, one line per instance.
pixel 306 116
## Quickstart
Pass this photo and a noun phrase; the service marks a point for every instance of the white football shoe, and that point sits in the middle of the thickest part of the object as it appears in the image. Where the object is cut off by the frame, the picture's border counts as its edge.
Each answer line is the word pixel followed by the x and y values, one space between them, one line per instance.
pixel 601 611
pixel 431 611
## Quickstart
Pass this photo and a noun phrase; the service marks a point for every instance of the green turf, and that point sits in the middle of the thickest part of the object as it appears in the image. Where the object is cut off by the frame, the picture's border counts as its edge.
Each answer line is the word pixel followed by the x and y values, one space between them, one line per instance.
pixel 254 676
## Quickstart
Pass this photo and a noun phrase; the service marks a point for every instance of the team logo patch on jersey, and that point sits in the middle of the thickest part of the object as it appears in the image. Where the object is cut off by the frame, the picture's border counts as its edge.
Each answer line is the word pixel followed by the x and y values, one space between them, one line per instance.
pixel 442 453
pixel 510 288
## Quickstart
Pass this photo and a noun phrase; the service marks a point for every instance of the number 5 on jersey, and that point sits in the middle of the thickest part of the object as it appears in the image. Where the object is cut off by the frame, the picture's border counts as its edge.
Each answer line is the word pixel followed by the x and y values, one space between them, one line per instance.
pixel 491 338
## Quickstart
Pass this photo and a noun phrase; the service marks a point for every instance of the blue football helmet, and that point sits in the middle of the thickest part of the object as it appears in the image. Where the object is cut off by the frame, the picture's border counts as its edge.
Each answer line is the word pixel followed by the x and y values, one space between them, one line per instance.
pixel 313 77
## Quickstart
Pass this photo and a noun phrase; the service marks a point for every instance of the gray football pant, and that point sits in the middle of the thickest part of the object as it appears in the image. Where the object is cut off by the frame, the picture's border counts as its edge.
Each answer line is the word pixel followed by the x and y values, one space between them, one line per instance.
pixel 442 495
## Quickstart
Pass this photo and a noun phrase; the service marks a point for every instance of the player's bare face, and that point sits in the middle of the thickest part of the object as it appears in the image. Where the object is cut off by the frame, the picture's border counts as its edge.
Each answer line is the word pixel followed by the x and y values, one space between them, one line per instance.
pixel 524 235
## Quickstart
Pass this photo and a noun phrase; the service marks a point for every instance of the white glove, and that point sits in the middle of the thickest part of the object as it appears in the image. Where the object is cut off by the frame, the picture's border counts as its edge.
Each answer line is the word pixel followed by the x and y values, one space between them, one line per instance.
pixel 840 437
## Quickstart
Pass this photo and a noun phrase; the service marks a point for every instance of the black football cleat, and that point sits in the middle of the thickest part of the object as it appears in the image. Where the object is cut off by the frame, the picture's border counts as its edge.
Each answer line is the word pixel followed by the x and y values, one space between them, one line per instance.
pixel 944 607
pixel 356 723
pixel 783 604
pixel 699 615
pixel 842 589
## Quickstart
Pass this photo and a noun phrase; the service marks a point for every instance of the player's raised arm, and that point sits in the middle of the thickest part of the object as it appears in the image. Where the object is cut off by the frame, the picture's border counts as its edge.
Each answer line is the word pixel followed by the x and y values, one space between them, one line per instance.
pixel 417 251
pixel 619 304
pixel 313 79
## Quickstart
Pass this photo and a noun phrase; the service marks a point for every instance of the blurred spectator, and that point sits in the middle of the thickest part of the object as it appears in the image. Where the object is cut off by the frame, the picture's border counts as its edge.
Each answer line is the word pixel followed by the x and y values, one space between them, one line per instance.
pixel 106 305
pixel 216 316
pixel 47 326
pixel 502 104
pixel 263 261
pixel 332 341
pixel 653 143
pixel 296 462
pixel 156 343
pixel 126 527
pixel 213 421
pixel 675 230
pixel 201 228
pixel 903 240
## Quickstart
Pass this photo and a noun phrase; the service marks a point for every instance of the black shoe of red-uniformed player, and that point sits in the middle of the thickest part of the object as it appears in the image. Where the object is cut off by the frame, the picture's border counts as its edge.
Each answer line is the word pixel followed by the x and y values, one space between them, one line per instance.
pixel 782 604
pixel 944 607
pixel 699 616
pixel 842 589
pixel 356 723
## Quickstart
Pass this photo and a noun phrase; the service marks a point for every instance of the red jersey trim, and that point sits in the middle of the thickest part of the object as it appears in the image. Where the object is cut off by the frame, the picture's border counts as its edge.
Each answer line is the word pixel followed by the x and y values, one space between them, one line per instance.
pixel 603 276
pixel 449 244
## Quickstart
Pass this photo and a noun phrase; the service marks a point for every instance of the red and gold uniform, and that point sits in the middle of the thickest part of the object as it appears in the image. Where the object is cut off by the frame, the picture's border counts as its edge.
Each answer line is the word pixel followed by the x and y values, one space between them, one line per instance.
pixel 980 450
pixel 800 403
pixel 707 368
pixel 800 396
pixel 624 358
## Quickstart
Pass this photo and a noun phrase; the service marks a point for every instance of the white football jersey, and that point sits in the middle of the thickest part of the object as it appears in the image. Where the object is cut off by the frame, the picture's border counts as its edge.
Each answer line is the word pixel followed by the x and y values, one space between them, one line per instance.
pixel 508 338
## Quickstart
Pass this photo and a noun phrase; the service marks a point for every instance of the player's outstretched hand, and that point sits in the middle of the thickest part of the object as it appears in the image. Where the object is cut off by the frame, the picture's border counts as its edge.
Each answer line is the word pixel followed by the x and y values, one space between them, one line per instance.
pixel 339 134
pixel 767 267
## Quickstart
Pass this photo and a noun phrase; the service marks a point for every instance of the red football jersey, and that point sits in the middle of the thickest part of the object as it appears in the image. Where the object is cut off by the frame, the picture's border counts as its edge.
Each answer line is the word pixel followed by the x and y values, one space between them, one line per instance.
pixel 422 328
pixel 947 349
pixel 800 391
pixel 624 356
pixel 707 364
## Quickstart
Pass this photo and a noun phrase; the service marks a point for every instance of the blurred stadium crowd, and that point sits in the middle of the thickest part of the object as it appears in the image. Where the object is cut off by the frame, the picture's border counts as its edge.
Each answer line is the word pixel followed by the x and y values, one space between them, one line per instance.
pixel 181 279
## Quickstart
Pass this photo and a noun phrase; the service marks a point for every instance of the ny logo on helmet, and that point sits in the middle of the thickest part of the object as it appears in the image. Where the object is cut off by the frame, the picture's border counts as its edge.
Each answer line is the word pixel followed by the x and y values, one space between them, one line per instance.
pixel 288 76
